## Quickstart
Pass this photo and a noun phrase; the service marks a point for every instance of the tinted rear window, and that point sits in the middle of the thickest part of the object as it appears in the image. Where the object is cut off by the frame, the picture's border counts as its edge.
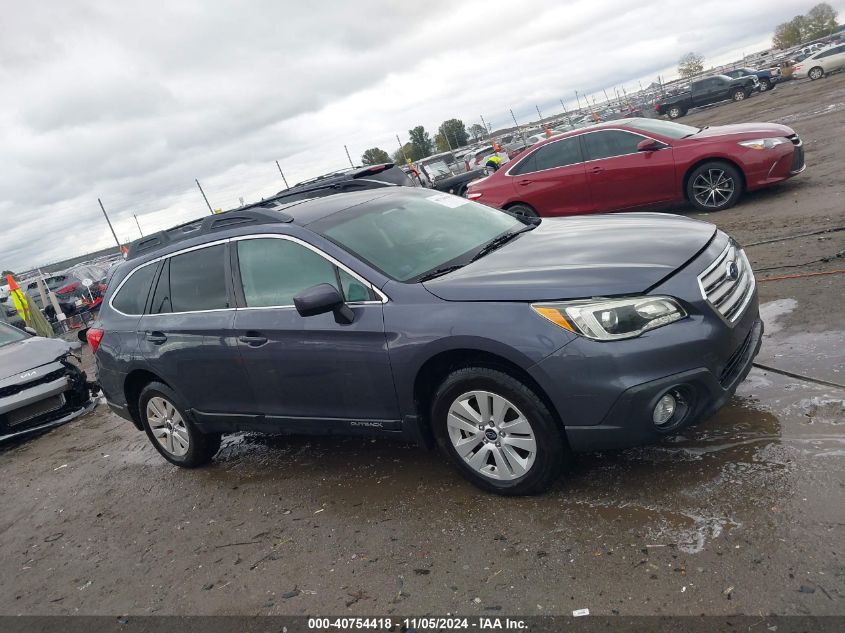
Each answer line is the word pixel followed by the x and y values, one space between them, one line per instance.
pixel 197 280
pixel 132 296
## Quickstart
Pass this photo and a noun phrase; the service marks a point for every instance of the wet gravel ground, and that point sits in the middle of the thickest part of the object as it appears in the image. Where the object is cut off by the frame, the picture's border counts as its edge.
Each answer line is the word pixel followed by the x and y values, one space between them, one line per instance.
pixel 743 514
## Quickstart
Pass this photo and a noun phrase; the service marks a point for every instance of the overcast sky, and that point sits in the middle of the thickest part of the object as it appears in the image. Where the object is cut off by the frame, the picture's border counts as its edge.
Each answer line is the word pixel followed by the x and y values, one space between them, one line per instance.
pixel 130 102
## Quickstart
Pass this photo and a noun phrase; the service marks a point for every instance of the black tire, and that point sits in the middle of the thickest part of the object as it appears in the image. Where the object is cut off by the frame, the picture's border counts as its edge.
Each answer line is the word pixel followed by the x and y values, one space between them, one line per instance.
pixel 676 112
pixel 766 85
pixel 702 173
pixel 522 210
pixel 739 95
pixel 816 72
pixel 201 448
pixel 548 436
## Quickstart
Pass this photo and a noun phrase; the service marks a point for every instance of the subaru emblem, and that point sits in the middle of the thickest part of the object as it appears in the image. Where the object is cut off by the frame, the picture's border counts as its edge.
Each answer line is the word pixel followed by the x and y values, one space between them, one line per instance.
pixel 732 271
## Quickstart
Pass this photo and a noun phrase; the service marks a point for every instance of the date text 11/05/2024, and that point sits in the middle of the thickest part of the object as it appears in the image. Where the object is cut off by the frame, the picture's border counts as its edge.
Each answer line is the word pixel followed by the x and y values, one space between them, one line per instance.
pixel 422 623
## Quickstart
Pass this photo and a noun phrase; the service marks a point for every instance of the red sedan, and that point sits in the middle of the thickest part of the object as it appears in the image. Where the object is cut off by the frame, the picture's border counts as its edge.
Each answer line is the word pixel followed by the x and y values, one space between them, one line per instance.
pixel 637 163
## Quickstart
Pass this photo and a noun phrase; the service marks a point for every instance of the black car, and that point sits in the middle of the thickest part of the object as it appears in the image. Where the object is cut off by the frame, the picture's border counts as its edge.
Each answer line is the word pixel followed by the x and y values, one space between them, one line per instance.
pixel 347 180
pixel 420 315
pixel 707 91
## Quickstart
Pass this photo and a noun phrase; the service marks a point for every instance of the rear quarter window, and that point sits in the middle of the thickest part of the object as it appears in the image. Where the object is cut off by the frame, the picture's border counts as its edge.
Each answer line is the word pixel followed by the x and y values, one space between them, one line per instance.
pixel 131 297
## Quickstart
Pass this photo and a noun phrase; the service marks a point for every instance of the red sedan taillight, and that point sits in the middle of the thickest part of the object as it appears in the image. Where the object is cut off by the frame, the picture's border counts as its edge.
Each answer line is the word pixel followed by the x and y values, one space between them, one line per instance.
pixel 657 107
pixel 95 337
pixel 474 195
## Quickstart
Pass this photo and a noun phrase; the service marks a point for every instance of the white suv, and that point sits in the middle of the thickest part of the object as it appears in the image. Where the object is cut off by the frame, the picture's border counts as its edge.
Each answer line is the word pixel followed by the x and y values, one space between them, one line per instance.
pixel 821 63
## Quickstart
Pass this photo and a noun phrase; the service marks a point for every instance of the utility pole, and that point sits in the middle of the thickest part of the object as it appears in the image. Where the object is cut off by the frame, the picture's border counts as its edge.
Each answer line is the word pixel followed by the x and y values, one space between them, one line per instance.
pixel 487 128
pixel 138 224
pixel 402 149
pixel 111 228
pixel 565 113
pixel 518 129
pixel 448 142
pixel 210 210
pixel 606 98
pixel 283 175
pixel 351 164
pixel 539 114
pixel 578 100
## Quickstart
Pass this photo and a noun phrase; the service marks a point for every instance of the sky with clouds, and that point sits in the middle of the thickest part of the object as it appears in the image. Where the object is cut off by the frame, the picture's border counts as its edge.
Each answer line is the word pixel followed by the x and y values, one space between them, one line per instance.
pixel 131 101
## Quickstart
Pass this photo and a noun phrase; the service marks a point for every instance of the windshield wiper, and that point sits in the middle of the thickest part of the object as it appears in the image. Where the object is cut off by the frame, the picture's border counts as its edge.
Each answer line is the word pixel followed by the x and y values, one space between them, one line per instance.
pixel 437 272
pixel 497 242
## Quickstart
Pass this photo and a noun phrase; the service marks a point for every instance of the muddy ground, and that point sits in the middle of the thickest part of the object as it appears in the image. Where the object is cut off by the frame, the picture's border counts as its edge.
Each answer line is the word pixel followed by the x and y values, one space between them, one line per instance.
pixel 743 514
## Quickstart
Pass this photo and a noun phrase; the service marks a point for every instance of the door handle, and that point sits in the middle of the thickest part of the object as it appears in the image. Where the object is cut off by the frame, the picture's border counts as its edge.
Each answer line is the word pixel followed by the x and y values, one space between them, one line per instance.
pixel 253 339
pixel 525 182
pixel 597 169
pixel 156 337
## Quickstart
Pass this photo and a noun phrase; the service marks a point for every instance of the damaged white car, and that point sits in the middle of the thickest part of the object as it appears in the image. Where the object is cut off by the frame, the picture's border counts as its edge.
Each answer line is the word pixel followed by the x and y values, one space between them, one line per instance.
pixel 41 383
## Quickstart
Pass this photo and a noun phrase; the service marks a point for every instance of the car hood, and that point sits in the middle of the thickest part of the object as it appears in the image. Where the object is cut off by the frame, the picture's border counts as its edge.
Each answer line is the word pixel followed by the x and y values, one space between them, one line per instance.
pixel 752 130
pixel 570 258
pixel 30 353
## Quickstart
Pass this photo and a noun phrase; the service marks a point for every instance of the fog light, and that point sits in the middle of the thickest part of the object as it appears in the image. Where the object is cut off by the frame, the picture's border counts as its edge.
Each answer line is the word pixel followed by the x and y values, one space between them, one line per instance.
pixel 664 410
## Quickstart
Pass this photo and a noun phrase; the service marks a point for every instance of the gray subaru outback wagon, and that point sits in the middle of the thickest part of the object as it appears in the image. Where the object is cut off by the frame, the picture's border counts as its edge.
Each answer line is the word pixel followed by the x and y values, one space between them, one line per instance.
pixel 419 315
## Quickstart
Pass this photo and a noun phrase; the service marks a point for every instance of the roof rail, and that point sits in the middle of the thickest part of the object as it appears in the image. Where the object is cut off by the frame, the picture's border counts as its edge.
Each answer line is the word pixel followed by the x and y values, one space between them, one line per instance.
pixel 204 226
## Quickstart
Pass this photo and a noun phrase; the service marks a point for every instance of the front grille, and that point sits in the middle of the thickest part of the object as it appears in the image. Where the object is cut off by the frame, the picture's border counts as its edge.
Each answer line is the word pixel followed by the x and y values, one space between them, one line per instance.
pixel 11 390
pixel 35 410
pixel 728 283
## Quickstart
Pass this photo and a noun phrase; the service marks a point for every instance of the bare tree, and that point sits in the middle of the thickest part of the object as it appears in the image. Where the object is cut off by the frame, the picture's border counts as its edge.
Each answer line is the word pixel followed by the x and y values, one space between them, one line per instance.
pixel 690 64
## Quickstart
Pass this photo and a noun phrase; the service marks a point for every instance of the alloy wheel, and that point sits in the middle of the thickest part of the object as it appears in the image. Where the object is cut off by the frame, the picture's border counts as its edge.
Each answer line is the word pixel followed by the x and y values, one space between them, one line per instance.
pixel 168 426
pixel 491 435
pixel 739 96
pixel 713 188
pixel 816 73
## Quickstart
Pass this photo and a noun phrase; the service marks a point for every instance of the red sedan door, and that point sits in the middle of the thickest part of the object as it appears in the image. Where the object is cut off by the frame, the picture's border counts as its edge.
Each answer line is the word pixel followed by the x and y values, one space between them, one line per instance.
pixel 552 179
pixel 621 177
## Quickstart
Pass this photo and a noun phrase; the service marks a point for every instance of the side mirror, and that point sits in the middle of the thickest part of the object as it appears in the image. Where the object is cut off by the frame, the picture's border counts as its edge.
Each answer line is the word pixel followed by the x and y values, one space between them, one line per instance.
pixel 648 145
pixel 323 298
pixel 30 330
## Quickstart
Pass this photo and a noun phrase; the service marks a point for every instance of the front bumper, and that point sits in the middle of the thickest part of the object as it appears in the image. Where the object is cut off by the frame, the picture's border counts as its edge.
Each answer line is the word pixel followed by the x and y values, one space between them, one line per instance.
pixel 59 395
pixel 629 422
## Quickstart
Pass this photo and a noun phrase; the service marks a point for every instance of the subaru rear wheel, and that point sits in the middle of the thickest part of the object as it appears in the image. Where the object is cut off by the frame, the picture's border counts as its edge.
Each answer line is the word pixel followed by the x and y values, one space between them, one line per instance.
pixel 171 431
pixel 497 431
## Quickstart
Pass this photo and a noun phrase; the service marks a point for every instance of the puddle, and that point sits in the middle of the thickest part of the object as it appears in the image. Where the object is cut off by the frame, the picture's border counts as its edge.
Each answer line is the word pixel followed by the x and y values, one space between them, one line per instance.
pixel 822 410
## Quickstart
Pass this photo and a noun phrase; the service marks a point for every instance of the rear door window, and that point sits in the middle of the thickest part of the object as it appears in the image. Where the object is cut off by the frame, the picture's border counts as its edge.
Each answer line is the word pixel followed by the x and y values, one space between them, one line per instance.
pixel 192 282
pixel 610 143
pixel 132 296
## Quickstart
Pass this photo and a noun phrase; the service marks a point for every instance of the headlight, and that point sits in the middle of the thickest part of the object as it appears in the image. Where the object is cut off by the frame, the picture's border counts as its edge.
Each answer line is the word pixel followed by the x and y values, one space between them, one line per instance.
pixel 612 319
pixel 764 143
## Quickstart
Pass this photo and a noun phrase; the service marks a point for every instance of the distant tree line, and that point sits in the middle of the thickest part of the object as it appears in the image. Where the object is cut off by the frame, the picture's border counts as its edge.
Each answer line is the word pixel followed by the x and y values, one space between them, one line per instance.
pixel 818 22
pixel 451 135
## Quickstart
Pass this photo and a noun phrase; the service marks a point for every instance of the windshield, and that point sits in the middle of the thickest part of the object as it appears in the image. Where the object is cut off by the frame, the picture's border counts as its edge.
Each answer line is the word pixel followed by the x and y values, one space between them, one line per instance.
pixel 9 335
pixel 406 237
pixel 666 128
pixel 437 169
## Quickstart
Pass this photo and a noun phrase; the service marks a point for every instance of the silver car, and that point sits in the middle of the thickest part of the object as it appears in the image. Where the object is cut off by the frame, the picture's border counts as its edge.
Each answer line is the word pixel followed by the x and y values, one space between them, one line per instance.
pixel 41 384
